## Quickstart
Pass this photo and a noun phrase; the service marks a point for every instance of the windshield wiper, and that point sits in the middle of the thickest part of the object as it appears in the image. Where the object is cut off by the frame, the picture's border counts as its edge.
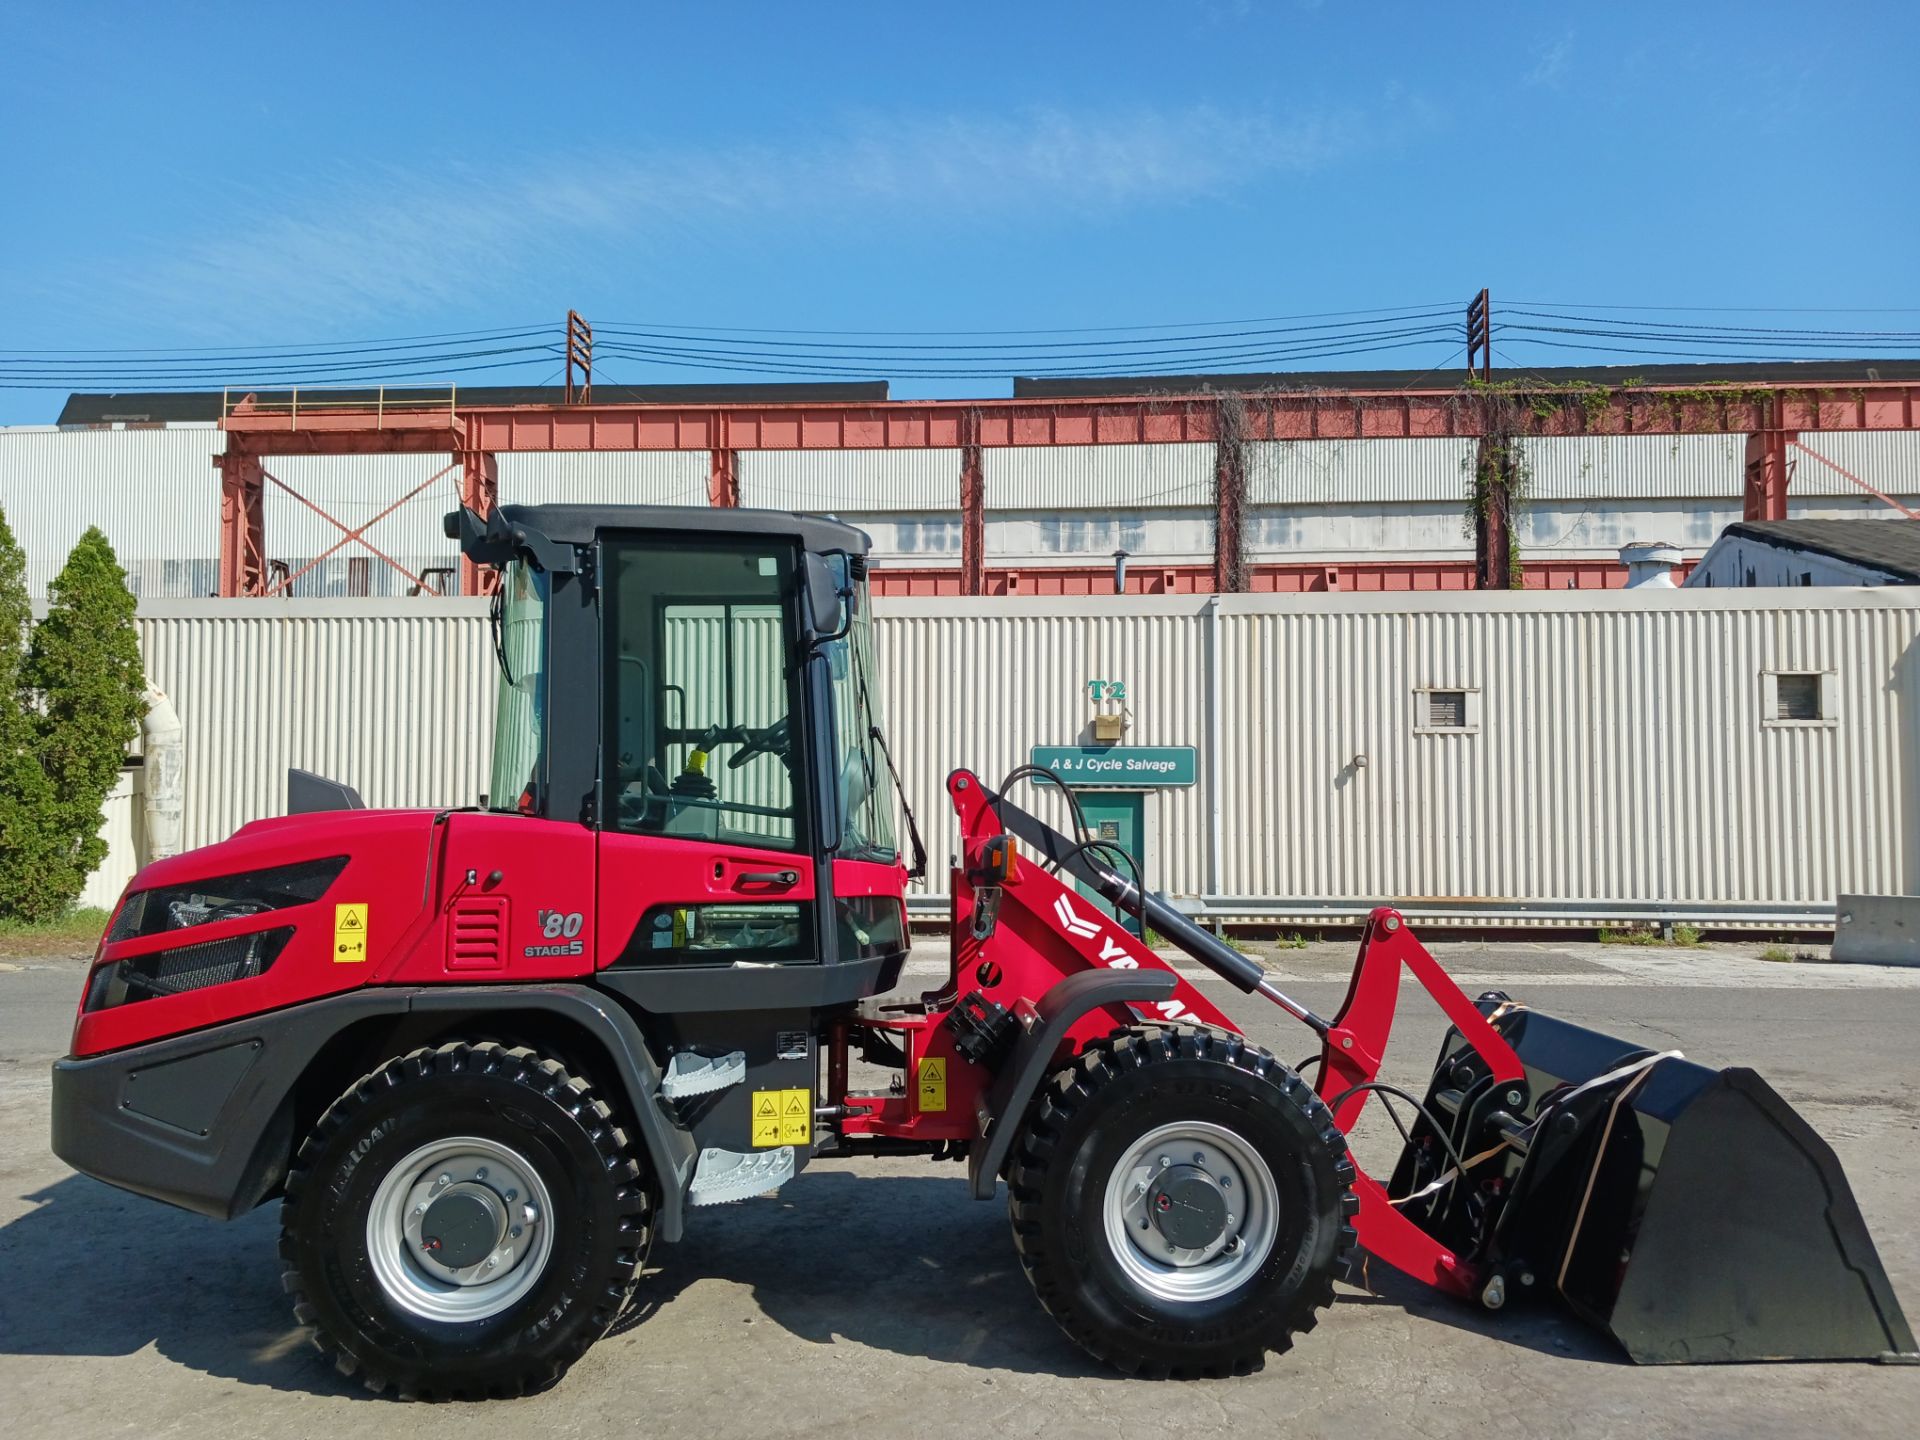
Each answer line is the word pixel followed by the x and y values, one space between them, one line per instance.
pixel 913 827
pixel 496 623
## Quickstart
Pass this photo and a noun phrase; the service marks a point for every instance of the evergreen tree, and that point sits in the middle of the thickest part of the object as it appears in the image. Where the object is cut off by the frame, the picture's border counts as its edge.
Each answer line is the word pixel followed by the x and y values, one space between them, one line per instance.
pixel 29 839
pixel 84 674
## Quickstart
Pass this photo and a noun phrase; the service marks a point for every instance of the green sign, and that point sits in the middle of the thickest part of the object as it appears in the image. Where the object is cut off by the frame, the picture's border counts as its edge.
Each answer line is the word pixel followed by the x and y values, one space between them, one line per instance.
pixel 1125 765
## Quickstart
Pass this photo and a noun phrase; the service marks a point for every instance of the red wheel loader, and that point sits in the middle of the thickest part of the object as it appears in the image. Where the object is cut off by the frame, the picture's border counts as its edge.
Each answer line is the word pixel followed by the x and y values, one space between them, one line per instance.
pixel 487 1057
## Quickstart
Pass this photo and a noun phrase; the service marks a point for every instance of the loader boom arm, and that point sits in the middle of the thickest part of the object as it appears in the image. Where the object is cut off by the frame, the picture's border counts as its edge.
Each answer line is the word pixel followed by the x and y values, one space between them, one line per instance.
pixel 1352 1043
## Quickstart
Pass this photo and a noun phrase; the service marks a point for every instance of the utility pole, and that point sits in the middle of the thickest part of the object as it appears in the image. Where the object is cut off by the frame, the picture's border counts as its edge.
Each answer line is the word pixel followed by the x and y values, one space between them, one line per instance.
pixel 579 352
pixel 1480 335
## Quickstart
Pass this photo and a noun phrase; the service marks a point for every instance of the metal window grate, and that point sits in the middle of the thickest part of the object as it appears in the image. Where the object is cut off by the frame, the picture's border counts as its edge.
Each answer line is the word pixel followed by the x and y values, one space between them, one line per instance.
pixel 1447 709
pixel 186 967
pixel 1796 697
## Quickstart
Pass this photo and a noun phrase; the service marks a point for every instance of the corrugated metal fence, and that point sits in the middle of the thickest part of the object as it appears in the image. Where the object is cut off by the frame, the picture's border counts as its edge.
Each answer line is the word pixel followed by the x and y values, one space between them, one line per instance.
pixel 1619 761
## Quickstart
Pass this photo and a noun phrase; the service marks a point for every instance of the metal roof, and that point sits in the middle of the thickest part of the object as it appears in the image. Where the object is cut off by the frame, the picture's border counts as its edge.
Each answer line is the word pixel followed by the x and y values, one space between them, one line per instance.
pixel 1792 372
pixel 1889 545
pixel 580 524
pixel 178 407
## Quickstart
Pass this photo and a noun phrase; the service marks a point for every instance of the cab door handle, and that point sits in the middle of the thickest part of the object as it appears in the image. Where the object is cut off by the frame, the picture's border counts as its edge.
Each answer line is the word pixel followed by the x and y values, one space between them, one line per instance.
pixel 778 879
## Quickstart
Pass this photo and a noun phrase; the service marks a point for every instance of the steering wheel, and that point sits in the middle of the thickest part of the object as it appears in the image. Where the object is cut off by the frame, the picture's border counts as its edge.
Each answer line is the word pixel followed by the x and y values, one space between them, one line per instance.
pixel 771 741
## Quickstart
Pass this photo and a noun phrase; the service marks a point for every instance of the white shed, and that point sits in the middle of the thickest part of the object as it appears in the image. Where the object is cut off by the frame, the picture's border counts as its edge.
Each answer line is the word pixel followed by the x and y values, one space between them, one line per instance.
pixel 1811 552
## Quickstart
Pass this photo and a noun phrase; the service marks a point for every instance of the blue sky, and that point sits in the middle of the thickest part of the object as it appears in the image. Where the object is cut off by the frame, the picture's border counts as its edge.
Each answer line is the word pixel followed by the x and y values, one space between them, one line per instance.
pixel 211 175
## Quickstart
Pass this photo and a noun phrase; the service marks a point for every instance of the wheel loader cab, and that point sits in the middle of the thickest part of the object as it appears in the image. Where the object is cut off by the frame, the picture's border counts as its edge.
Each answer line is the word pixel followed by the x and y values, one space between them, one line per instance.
pixel 697 687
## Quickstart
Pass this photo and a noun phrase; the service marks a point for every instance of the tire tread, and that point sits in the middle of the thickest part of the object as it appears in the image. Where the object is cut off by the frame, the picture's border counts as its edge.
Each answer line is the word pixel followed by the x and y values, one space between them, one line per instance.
pixel 617 1156
pixel 1104 1063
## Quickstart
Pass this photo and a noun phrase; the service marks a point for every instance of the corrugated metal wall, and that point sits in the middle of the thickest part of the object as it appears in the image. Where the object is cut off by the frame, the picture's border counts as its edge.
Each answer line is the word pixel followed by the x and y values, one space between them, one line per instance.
pixel 1030 536
pixel 1636 466
pixel 851 482
pixel 582 477
pixel 1887 460
pixel 977 684
pixel 1619 765
pixel 1097 477
pixel 1356 472
pixel 156 494
pixel 395 697
pixel 1620 755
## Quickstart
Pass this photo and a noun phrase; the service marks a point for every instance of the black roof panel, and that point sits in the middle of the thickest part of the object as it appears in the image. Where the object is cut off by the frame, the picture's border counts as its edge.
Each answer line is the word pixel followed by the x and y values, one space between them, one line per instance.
pixel 183 407
pixel 1789 372
pixel 1889 545
pixel 577 524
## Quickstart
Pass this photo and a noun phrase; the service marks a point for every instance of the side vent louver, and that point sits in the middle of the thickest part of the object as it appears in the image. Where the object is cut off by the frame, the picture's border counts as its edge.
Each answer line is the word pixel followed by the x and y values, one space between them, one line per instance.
pixel 477 935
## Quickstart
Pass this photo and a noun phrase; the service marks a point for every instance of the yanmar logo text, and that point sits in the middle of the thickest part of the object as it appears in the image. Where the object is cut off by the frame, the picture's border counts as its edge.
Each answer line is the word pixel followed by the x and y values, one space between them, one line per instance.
pixel 1112 953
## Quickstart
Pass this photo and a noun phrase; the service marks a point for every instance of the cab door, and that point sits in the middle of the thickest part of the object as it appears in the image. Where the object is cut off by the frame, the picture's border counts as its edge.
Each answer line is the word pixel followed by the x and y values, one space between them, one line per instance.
pixel 705 846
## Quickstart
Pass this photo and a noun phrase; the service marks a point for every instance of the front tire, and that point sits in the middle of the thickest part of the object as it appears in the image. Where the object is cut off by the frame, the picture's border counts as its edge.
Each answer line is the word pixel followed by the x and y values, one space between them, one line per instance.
pixel 1182 1203
pixel 464 1223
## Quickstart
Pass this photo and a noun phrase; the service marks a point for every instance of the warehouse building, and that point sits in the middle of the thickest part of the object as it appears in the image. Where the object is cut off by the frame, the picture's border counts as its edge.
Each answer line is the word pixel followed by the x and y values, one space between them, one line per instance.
pixel 1321 514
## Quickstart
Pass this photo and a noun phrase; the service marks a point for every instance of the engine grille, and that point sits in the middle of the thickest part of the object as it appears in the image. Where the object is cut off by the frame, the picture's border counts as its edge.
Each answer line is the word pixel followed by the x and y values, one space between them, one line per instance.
pixel 186 967
pixel 477 935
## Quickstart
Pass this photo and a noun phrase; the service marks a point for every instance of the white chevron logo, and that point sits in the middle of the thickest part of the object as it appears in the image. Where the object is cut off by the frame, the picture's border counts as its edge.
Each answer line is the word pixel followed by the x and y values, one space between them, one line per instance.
pixel 1074 924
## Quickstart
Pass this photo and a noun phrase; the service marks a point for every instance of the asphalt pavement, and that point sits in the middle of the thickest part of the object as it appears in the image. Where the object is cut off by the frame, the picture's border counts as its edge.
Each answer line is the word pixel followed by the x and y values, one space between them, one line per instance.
pixel 877 1300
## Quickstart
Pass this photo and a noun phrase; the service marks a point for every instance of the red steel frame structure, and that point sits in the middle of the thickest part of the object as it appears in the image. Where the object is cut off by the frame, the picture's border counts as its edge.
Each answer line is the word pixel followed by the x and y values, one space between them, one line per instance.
pixel 1772 416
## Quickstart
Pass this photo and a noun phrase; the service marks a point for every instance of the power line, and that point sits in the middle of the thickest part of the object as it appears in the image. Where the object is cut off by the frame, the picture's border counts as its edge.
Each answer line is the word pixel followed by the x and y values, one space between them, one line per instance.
pixel 1001 365
pixel 1713 329
pixel 708 338
pixel 1435 305
pixel 400 341
pixel 1730 309
pixel 215 376
pixel 168 383
pixel 740 364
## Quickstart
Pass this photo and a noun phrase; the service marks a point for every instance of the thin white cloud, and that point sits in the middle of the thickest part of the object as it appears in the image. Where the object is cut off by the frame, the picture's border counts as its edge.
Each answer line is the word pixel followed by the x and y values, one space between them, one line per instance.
pixel 1550 61
pixel 385 243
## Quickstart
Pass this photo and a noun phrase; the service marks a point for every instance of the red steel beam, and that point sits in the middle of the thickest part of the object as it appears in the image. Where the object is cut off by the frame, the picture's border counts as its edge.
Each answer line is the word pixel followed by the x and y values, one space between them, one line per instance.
pixel 973 508
pixel 1187 578
pixel 243 524
pixel 1358 414
pixel 723 478
pixel 1766 486
pixel 479 492
pixel 1120 420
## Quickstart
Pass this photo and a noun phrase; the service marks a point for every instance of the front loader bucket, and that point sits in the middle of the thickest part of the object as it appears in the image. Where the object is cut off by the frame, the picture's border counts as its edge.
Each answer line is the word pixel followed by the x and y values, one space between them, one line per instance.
pixel 1691 1213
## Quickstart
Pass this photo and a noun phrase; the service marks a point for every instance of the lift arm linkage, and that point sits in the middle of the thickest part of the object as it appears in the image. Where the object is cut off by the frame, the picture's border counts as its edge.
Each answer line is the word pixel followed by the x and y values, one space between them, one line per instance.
pixel 1353 1042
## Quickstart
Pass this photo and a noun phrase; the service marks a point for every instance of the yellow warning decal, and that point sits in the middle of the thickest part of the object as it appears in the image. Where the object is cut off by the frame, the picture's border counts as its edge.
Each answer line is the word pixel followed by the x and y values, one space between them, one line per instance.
pixel 796 1117
pixel 350 933
pixel 933 1084
pixel 782 1117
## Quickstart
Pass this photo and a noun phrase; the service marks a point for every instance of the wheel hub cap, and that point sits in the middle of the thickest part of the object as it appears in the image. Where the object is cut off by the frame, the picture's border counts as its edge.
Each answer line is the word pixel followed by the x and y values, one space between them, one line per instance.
pixel 1188 1207
pixel 463 1227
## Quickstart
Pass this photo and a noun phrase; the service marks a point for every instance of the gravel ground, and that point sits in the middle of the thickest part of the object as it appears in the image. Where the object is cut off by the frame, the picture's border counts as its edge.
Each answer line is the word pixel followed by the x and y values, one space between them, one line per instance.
pixel 877 1300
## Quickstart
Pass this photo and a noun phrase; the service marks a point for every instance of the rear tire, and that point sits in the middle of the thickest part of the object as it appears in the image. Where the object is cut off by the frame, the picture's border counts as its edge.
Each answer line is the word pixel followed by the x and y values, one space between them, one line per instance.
pixel 1096 1196
pixel 538 1192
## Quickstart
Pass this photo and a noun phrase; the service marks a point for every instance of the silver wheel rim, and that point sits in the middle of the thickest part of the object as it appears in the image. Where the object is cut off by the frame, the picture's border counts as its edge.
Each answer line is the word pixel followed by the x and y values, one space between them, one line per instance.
pixel 1154 1263
pixel 499 1179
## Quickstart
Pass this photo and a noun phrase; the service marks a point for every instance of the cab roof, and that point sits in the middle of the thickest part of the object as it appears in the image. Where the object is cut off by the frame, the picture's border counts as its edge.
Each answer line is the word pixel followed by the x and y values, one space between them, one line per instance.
pixel 580 524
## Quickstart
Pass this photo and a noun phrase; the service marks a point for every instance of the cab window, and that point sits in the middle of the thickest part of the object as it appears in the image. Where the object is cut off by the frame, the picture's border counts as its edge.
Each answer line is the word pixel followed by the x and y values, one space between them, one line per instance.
pixel 703 738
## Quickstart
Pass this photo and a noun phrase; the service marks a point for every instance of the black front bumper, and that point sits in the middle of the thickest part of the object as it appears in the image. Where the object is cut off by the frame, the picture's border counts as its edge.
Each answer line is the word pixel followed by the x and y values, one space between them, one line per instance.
pixel 183 1155
pixel 202 1121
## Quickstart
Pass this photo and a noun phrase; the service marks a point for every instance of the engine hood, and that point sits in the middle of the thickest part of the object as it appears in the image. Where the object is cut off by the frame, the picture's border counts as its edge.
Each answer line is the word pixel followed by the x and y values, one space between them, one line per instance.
pixel 283 839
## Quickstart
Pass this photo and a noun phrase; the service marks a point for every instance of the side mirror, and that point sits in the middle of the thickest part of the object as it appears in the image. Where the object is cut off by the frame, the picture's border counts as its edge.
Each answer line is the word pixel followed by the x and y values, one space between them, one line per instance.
pixel 829 600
